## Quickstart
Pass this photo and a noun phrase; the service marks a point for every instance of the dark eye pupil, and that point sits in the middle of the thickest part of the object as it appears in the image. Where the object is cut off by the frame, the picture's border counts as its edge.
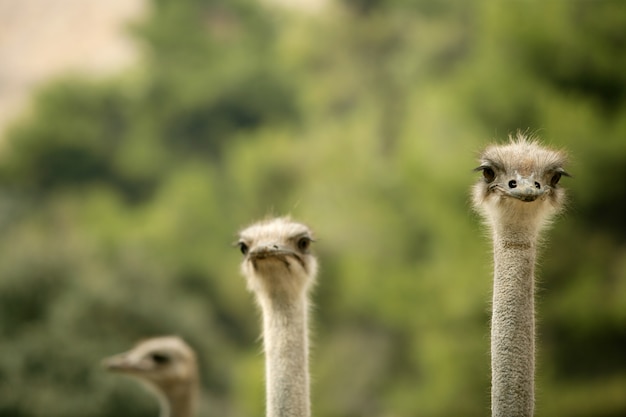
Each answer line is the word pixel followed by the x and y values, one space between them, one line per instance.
pixel 303 244
pixel 243 248
pixel 489 174
pixel 160 358
pixel 555 179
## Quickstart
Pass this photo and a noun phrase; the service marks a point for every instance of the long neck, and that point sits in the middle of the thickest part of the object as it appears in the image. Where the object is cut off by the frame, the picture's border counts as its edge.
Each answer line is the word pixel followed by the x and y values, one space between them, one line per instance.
pixel 513 324
pixel 286 357
pixel 178 400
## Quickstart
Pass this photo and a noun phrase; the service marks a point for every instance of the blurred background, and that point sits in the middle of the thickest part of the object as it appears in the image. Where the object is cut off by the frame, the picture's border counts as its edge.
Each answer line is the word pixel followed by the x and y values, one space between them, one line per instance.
pixel 138 137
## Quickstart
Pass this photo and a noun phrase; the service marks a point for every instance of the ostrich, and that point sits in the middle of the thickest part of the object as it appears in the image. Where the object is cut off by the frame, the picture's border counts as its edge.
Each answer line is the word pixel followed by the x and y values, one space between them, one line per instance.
pixel 280 270
pixel 517 197
pixel 168 367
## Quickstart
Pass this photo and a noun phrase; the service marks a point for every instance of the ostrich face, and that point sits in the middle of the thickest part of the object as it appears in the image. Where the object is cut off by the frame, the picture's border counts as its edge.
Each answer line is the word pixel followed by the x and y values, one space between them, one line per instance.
pixel 161 361
pixel 521 175
pixel 277 258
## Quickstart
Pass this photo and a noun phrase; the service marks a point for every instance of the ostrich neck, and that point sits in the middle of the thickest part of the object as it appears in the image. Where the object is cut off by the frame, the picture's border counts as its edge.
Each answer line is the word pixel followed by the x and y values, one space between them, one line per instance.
pixel 513 324
pixel 178 400
pixel 286 353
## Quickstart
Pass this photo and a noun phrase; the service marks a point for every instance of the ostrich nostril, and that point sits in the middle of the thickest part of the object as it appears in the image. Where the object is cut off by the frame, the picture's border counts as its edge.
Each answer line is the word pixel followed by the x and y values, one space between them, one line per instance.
pixel 512 184
pixel 537 185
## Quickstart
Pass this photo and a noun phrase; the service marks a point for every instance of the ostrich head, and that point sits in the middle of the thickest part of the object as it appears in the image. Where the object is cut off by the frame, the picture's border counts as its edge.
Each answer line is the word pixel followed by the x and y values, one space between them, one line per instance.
pixel 277 260
pixel 520 183
pixel 164 363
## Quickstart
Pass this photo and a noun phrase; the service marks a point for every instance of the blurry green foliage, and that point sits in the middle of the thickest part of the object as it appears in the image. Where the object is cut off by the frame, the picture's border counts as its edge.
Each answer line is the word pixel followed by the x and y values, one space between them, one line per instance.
pixel 119 201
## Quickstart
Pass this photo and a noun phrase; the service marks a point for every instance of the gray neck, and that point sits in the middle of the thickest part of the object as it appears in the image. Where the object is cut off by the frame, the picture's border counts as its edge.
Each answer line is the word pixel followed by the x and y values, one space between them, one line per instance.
pixel 513 324
pixel 286 357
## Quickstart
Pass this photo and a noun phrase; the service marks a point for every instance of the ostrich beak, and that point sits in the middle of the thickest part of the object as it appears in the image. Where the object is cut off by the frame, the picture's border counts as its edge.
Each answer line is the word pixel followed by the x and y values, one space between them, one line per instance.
pixel 114 363
pixel 278 252
pixel 270 250
pixel 525 189
pixel 119 363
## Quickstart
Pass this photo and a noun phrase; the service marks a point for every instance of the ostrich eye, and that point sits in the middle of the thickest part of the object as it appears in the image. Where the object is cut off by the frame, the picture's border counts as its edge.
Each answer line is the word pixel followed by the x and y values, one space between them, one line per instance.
pixel 304 243
pixel 243 248
pixel 160 358
pixel 555 179
pixel 488 174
